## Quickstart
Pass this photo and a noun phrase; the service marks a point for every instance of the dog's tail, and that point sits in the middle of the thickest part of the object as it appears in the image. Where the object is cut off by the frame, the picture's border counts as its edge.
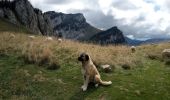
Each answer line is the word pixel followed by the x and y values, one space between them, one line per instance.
pixel 103 82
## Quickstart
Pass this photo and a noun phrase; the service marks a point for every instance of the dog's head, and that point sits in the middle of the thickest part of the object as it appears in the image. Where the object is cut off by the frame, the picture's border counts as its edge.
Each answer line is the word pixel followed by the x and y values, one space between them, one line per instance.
pixel 83 57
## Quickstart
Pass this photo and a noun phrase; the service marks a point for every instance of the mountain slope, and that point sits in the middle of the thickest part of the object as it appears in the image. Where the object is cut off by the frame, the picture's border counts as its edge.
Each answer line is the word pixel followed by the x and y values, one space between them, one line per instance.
pixel 21 12
pixel 71 26
pixel 110 36
pixel 6 26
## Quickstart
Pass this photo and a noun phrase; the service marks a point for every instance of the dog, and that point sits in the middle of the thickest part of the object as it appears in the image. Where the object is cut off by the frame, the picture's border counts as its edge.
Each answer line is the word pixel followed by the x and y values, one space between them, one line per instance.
pixel 90 72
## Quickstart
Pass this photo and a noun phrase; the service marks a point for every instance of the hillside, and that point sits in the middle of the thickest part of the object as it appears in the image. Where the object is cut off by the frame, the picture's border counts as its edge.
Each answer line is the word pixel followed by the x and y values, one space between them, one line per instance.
pixel 25 76
pixel 6 26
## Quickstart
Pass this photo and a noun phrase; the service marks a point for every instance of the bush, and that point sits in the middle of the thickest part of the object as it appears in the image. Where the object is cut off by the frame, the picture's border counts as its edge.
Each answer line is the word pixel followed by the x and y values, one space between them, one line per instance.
pixel 167 62
pixel 126 66
pixel 53 66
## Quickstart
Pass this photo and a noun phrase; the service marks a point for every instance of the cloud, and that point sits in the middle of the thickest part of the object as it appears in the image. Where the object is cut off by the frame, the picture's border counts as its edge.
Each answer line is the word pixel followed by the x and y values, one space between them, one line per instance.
pixel 137 18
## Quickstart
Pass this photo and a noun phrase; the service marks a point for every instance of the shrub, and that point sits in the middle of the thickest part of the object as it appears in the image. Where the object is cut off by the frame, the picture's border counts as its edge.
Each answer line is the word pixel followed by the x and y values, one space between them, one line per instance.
pixel 126 66
pixel 167 62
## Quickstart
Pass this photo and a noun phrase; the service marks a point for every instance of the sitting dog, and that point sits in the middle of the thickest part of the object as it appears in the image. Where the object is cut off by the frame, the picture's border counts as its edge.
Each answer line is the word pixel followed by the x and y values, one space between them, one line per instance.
pixel 90 72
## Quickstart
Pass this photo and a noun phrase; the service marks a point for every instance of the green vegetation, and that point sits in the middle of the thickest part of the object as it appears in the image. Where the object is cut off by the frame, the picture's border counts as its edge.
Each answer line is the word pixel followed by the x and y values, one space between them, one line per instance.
pixel 5 26
pixel 24 77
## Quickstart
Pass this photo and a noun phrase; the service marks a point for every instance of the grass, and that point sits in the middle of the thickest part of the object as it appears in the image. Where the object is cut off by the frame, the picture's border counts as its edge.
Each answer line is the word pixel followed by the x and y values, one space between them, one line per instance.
pixel 25 76
pixel 5 26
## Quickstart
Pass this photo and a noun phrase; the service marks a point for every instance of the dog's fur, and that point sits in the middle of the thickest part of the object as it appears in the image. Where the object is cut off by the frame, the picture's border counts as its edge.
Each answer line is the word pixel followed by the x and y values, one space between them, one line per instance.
pixel 90 72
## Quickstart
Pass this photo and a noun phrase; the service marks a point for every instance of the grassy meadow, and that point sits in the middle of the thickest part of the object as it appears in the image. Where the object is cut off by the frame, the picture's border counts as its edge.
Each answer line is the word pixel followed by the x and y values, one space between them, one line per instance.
pixel 37 69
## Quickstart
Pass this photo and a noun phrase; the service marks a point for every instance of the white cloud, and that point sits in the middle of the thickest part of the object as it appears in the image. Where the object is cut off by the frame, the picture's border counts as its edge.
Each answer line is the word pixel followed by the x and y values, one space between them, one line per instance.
pixel 137 18
pixel 130 36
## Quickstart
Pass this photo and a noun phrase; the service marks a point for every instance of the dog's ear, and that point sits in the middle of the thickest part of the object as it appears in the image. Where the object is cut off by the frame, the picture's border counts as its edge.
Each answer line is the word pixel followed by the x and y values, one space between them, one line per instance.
pixel 86 57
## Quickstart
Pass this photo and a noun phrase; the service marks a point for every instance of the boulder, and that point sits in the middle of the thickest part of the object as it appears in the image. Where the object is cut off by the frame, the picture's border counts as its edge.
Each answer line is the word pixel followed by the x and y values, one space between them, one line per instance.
pixel 106 68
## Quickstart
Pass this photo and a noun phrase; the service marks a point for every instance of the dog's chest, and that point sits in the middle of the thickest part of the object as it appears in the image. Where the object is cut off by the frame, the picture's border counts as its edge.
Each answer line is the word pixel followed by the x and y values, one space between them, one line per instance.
pixel 83 71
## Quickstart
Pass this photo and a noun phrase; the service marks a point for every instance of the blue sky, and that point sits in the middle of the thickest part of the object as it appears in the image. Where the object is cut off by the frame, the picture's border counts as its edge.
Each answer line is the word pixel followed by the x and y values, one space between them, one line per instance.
pixel 137 19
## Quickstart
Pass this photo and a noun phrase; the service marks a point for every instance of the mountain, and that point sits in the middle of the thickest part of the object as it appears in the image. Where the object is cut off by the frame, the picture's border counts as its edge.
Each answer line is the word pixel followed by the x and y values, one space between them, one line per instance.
pixel 148 41
pixel 71 26
pixel 156 40
pixel 110 36
pixel 133 41
pixel 21 12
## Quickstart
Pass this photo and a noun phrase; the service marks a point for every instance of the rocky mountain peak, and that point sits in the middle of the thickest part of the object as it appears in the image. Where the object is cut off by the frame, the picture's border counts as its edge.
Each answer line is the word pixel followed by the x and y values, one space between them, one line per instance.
pixel 71 26
pixel 110 36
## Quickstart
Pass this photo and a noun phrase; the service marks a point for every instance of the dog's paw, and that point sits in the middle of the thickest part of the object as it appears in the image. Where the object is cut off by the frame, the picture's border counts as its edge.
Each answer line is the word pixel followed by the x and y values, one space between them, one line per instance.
pixel 84 88
pixel 96 85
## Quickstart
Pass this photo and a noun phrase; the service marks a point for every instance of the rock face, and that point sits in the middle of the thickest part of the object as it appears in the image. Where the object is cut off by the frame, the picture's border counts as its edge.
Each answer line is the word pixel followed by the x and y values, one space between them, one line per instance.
pixel 110 36
pixel 71 26
pixel 21 12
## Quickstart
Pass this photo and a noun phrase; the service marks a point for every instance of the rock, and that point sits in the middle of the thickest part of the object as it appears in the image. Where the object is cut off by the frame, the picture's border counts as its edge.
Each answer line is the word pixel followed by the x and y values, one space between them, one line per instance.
pixel 106 68
pixel 44 23
pixel 26 15
pixel 8 14
pixel 1 13
pixel 166 54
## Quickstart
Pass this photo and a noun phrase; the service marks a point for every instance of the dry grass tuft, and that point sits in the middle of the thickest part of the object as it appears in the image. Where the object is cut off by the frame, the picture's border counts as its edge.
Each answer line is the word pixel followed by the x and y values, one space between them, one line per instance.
pixel 39 53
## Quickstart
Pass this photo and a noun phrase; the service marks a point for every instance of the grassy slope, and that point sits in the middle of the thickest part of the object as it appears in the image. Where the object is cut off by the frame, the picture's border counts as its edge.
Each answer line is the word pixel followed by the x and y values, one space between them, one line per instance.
pixel 5 26
pixel 149 80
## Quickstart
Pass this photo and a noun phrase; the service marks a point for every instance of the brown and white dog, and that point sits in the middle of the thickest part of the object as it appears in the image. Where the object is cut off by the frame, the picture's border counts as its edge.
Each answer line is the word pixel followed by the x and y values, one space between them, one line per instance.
pixel 90 72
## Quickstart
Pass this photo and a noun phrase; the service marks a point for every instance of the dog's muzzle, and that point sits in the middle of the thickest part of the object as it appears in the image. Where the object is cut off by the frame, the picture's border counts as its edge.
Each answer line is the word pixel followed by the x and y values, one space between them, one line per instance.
pixel 80 59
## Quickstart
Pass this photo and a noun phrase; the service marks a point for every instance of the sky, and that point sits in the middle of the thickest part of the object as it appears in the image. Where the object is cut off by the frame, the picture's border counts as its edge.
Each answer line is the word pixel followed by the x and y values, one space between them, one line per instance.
pixel 138 19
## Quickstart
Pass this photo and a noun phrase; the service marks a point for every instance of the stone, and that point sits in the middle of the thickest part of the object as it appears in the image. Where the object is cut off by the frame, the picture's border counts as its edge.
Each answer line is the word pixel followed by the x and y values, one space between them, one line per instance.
pixel 106 68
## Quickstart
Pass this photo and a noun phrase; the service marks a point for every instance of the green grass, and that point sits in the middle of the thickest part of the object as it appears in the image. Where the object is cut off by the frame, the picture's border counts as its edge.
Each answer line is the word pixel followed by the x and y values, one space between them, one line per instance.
pixel 6 26
pixel 152 81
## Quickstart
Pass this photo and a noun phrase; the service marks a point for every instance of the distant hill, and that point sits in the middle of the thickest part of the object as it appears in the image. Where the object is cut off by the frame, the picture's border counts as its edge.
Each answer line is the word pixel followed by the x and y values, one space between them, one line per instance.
pixel 133 41
pixel 110 36
pixel 149 41
pixel 156 40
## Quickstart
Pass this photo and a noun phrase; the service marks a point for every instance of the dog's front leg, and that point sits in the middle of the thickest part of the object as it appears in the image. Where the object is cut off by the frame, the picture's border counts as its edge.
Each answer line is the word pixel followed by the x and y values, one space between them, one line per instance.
pixel 86 82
